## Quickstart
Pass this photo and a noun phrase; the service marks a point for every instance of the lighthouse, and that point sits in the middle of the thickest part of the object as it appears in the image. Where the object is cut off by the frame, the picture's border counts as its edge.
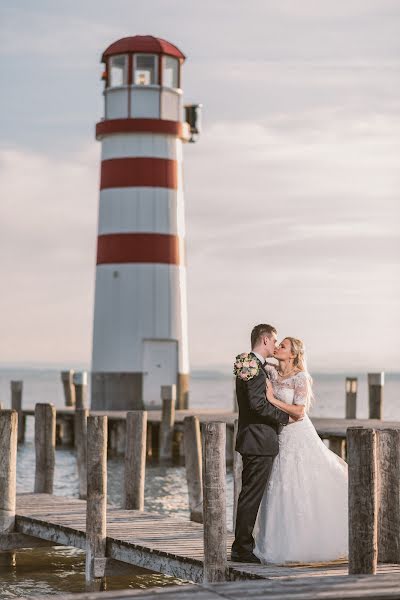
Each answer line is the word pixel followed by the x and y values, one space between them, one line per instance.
pixel 140 337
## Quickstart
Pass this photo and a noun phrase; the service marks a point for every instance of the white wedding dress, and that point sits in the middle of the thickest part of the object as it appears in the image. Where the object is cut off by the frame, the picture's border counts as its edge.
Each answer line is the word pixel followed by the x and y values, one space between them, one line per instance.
pixel 303 513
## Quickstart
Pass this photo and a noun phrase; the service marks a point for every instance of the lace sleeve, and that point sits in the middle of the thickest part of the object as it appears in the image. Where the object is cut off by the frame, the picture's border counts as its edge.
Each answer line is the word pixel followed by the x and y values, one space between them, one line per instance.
pixel 301 389
pixel 271 371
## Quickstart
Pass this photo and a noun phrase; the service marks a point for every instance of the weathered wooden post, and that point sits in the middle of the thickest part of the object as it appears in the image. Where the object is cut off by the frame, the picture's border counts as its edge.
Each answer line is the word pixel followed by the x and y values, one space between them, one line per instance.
pixel 388 444
pixel 112 436
pixel 16 404
pixel 351 397
pixel 81 415
pixel 80 384
pixel 375 394
pixel 135 459
pixel 237 475
pixel 96 504
pixel 186 400
pixel 68 384
pixel 121 437
pixel 214 502
pixel 168 396
pixel 363 500
pixel 149 440
pixel 229 445
pixel 193 467
pixel 235 403
pixel 45 442
pixel 8 469
pixel 1 406
pixel 338 446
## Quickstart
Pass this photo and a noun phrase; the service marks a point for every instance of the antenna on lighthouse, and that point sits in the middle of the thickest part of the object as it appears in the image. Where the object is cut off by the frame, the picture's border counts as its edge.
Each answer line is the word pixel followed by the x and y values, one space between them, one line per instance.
pixel 140 340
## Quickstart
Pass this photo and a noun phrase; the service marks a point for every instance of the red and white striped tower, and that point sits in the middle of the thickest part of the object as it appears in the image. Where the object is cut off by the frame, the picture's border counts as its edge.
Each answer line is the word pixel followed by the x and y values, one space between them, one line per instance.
pixel 140 323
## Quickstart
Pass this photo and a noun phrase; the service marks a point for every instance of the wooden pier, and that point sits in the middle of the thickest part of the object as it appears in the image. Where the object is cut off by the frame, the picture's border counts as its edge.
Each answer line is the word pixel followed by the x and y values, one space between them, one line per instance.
pixel 187 549
pixel 330 429
pixel 157 542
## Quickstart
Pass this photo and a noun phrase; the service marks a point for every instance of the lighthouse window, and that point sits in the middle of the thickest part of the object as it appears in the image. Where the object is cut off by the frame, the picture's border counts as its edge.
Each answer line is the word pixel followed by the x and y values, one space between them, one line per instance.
pixel 118 70
pixel 145 69
pixel 171 72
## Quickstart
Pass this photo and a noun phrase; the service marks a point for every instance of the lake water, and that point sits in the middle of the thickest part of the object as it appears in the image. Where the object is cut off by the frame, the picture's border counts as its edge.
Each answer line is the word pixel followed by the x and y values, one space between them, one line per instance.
pixel 41 571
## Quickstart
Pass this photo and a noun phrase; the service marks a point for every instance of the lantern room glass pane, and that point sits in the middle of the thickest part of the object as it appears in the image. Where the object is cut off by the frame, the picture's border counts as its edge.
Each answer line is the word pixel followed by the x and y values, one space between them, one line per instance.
pixel 118 70
pixel 171 72
pixel 146 69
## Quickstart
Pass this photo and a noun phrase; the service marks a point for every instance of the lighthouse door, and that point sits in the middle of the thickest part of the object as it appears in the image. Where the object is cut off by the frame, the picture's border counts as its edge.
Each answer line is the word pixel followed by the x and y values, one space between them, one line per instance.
pixel 160 367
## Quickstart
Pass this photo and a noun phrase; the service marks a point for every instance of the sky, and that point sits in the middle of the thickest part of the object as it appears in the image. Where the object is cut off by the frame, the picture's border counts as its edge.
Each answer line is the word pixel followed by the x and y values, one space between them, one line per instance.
pixel 291 193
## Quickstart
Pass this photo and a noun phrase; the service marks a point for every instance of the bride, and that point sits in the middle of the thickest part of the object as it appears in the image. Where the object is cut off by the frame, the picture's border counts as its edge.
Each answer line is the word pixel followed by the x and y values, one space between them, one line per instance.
pixel 303 512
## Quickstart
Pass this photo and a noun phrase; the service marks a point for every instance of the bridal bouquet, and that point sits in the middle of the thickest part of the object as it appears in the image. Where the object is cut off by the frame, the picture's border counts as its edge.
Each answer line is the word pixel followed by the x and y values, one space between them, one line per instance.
pixel 245 366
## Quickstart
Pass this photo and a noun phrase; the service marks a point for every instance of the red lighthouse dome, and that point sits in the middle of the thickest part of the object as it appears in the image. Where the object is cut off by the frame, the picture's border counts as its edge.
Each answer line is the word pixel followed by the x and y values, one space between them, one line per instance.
pixel 142 44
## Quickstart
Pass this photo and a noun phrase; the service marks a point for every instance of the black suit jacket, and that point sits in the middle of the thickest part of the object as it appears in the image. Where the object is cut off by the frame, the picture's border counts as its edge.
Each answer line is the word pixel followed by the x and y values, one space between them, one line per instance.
pixel 259 420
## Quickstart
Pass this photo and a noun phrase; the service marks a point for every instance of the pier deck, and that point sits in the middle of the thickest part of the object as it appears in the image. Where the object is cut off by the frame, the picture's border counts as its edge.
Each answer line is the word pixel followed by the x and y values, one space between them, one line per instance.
pixel 157 542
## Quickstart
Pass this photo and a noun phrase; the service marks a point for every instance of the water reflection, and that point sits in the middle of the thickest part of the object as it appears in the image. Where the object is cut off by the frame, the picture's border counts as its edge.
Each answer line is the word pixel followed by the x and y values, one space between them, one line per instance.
pixel 60 569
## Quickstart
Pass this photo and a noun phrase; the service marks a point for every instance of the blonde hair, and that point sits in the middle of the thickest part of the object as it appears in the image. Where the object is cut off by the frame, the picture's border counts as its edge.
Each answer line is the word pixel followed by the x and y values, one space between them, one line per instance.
pixel 300 362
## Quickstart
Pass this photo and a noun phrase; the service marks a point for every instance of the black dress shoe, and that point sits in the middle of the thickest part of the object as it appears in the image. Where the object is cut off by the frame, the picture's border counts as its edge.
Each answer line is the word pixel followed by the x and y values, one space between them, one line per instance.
pixel 245 558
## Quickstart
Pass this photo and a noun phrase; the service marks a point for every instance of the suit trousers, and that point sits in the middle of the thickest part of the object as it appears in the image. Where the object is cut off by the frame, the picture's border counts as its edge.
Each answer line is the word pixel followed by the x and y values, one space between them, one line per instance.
pixel 255 476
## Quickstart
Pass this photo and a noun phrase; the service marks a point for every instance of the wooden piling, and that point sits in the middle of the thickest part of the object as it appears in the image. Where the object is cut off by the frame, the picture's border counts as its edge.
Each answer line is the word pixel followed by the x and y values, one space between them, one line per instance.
pixel 193 467
pixel 149 440
pixel 168 397
pixel 81 415
pixel 214 503
pixel 351 397
pixel 8 469
pixel 68 384
pixel 112 437
pixel 80 384
pixel 338 446
pixel 66 431
pixel 96 504
pixel 16 404
pixel 388 444
pixel 229 446
pixel 375 394
pixel 179 446
pixel 363 500
pixel 237 475
pixel 135 460
pixel 45 442
pixel 235 402
pixel 121 437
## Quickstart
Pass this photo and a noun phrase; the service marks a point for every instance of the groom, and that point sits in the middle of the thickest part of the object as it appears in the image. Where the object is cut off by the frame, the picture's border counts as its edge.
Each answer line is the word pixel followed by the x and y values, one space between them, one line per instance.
pixel 257 442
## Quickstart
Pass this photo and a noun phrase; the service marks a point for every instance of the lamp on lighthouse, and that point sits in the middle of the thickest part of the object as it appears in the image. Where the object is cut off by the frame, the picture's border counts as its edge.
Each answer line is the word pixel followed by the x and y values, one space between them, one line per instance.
pixel 140 338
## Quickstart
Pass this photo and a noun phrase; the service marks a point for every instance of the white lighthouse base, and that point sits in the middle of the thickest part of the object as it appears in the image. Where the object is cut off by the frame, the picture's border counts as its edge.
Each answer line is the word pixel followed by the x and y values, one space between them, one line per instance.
pixel 140 336
pixel 134 391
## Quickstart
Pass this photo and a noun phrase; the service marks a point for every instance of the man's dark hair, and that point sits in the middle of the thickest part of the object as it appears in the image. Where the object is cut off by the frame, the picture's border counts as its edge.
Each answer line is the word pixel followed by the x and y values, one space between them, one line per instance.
pixel 259 331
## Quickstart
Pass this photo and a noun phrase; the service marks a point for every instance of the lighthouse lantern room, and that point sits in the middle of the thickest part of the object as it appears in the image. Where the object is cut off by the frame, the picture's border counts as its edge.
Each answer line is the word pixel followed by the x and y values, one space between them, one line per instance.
pixel 140 338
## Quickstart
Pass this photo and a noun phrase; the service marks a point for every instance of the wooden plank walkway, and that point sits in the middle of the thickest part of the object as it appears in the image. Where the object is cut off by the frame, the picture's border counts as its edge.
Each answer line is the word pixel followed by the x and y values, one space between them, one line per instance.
pixel 161 543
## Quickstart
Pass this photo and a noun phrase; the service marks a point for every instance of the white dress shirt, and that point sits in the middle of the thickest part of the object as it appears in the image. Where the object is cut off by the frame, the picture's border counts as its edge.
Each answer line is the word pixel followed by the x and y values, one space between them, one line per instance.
pixel 260 358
